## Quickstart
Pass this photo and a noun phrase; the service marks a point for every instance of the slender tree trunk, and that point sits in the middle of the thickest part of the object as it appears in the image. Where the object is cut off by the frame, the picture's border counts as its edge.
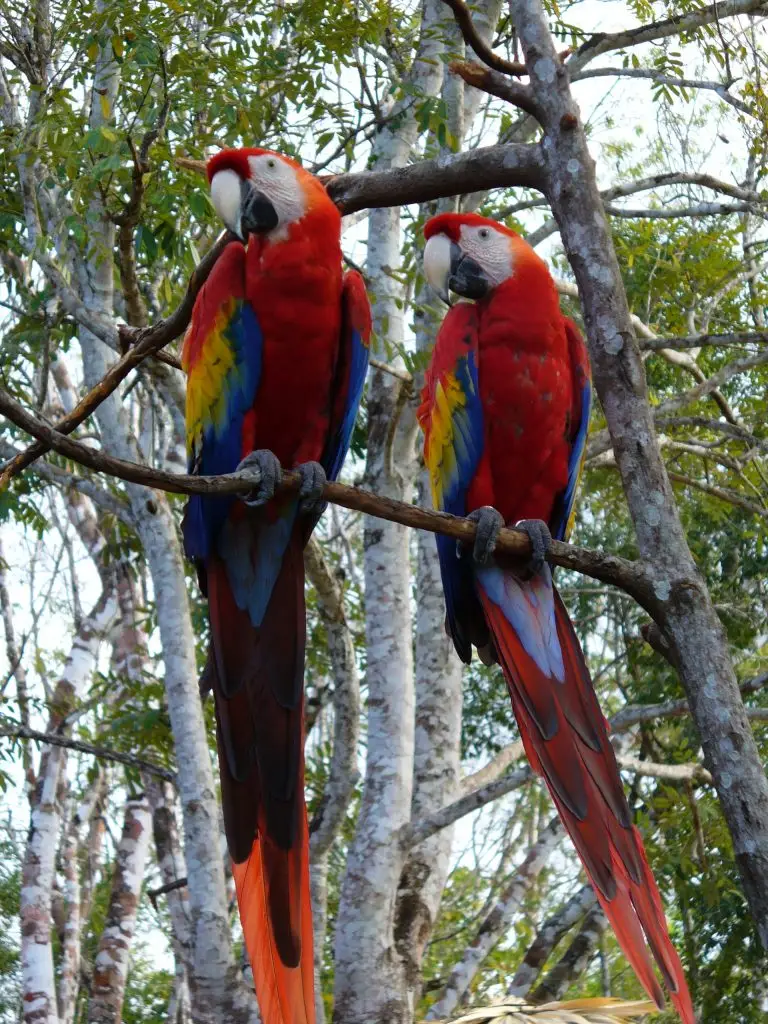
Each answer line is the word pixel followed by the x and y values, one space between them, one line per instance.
pixel 370 979
pixel 111 965
pixel 37 879
pixel 496 921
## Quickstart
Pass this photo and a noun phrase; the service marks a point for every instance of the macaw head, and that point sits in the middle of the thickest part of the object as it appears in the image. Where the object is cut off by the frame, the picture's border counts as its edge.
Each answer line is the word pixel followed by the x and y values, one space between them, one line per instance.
pixel 471 255
pixel 256 191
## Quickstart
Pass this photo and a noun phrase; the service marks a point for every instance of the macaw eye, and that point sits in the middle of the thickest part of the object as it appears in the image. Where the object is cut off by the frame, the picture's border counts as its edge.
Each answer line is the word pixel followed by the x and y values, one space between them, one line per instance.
pixel 271 164
pixel 484 233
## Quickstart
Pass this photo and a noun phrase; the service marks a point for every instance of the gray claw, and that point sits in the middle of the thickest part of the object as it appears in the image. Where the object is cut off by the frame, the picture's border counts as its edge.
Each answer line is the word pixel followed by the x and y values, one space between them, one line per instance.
pixel 268 467
pixel 313 480
pixel 541 541
pixel 489 521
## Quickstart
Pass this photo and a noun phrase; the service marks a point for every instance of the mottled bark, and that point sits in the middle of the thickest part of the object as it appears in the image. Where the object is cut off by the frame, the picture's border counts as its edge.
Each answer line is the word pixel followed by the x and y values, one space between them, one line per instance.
pixel 370 980
pixel 110 969
pixel 215 975
pixel 343 773
pixel 575 960
pixel 40 856
pixel 80 845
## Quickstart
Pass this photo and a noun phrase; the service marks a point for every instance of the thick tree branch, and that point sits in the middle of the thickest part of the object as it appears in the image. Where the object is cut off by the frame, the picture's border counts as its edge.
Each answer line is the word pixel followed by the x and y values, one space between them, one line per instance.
pixel 447 175
pixel 608 568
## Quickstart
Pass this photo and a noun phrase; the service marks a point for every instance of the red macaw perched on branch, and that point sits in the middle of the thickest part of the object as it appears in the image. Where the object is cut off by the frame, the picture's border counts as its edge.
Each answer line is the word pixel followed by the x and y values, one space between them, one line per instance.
pixel 505 413
pixel 276 357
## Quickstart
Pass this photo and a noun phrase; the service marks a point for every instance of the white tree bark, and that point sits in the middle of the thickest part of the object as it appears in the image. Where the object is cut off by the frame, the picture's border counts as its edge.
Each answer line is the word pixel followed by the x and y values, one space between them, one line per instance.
pixel 550 933
pixel 343 773
pixel 370 977
pixel 369 970
pixel 215 978
pixel 111 965
pixel 38 980
pixel 74 903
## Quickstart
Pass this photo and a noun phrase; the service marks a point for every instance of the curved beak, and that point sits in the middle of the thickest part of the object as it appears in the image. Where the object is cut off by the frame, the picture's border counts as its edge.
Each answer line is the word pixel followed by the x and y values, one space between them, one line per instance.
pixel 257 214
pixel 448 268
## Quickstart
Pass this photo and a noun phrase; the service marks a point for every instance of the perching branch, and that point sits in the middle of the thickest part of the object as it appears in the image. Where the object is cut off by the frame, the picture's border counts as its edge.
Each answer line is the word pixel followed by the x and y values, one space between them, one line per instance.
pixel 512 543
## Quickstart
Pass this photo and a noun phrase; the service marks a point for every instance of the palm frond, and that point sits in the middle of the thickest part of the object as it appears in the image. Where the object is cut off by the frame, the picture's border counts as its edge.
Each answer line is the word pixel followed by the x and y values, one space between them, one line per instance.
pixel 604 1010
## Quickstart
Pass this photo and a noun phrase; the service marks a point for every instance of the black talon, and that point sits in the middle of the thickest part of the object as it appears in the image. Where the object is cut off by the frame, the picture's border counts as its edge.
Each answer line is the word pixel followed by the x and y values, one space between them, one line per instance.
pixel 538 533
pixel 268 466
pixel 489 521
pixel 313 480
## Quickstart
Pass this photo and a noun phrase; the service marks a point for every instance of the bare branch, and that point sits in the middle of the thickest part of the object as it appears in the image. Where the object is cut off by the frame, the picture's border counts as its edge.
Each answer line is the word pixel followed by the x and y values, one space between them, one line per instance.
pixel 102 753
pixel 549 935
pixel 684 341
pixel 671 772
pixel 448 175
pixel 659 78
pixel 604 42
pixel 495 84
pixel 497 920
pixel 145 342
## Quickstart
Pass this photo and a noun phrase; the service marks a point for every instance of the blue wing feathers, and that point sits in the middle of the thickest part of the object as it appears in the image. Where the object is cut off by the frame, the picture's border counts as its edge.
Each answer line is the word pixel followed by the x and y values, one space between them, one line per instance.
pixel 218 449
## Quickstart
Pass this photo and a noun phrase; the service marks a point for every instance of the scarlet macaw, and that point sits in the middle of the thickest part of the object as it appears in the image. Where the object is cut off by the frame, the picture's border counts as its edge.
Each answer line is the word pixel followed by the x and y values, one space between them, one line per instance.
pixel 276 357
pixel 505 412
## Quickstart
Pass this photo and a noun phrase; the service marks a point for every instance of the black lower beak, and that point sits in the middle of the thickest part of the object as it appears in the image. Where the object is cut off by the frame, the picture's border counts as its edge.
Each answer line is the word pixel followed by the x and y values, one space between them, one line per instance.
pixel 257 214
pixel 467 277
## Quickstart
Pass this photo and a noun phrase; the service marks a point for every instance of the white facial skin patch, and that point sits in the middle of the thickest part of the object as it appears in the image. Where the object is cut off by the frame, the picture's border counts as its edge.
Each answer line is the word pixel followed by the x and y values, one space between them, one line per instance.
pixel 280 184
pixel 490 249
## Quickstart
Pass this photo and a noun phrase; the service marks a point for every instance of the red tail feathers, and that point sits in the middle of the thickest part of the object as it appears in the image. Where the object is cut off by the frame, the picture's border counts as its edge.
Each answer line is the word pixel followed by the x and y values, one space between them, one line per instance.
pixel 258 675
pixel 285 994
pixel 566 739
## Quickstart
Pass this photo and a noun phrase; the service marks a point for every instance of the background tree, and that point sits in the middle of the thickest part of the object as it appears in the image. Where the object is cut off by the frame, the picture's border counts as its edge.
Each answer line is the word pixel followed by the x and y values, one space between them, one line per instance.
pixel 438 877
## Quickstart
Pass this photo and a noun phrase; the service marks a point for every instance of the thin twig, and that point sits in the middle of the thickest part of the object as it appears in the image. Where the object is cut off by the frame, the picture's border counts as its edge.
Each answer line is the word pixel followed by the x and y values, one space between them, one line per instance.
pixel 103 753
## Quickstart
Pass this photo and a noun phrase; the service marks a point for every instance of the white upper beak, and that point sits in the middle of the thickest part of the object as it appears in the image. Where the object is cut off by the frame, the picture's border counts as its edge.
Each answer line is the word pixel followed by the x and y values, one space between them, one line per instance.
pixel 437 264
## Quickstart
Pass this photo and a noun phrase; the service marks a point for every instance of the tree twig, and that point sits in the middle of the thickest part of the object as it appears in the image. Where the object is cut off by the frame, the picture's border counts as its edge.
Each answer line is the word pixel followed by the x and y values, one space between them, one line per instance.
pixel 102 753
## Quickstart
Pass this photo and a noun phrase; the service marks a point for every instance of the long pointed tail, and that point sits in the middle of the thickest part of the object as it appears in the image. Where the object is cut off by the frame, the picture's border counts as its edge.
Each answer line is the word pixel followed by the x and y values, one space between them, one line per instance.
pixel 267 883
pixel 258 684
pixel 566 739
